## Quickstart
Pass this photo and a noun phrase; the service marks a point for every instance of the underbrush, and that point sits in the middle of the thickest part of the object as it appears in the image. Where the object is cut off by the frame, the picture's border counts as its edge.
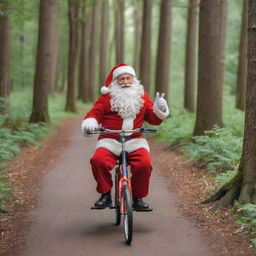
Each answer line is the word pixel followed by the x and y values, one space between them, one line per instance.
pixel 15 131
pixel 218 149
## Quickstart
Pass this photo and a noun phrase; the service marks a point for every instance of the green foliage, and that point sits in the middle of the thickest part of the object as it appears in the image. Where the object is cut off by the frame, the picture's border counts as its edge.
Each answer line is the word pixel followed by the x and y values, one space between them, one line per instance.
pixel 4 192
pixel 177 129
pixel 218 147
pixel 224 177
pixel 246 217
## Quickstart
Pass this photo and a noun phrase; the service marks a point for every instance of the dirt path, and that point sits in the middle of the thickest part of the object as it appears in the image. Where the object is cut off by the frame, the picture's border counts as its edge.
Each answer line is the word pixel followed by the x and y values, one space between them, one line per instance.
pixel 63 223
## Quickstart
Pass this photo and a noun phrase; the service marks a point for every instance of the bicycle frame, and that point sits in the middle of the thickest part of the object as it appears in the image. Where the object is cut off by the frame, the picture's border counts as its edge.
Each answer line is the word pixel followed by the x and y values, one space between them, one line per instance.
pixel 123 192
pixel 123 178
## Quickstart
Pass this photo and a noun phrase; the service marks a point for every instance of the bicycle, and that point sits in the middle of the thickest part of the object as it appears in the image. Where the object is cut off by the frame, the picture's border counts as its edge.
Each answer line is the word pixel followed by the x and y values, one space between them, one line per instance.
pixel 123 203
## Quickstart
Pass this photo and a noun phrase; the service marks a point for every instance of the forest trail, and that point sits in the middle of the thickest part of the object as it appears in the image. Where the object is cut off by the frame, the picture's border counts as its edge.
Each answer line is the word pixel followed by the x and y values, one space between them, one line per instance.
pixel 62 223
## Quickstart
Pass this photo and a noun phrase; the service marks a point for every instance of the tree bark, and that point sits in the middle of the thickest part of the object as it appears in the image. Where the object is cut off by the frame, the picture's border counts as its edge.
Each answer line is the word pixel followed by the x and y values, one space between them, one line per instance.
pixel 4 54
pixel 191 60
pixel 84 51
pixel 242 186
pixel 104 41
pixel 119 30
pixel 223 30
pixel 73 55
pixel 93 52
pixel 209 100
pixel 145 53
pixel 137 14
pixel 43 63
pixel 164 49
pixel 55 49
pixel 242 63
pixel 249 149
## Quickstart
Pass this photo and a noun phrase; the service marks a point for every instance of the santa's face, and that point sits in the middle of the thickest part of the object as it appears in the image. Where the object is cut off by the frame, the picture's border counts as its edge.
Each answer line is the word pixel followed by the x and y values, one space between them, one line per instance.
pixel 125 80
pixel 126 93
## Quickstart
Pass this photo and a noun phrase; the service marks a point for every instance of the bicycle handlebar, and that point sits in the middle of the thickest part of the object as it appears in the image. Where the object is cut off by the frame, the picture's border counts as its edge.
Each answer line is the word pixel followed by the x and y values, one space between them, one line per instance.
pixel 123 131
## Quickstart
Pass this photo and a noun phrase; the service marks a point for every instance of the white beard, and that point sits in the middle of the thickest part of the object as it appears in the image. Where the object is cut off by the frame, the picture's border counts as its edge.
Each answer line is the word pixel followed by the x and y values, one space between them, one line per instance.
pixel 126 101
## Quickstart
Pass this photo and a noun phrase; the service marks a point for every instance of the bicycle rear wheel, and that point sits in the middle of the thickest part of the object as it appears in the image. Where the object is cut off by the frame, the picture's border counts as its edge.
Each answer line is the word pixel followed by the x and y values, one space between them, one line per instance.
pixel 128 212
pixel 117 205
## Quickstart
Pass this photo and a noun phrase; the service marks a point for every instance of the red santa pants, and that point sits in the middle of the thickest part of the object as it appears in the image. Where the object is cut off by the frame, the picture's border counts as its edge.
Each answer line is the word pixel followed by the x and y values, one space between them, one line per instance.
pixel 103 161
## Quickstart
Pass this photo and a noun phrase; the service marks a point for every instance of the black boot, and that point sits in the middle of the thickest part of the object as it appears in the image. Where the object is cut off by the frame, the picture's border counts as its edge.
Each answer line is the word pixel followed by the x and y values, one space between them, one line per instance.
pixel 104 201
pixel 139 204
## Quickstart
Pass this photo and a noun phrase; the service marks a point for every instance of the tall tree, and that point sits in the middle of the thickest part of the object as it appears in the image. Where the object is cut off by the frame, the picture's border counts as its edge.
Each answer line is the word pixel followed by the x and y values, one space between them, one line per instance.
pixel 55 49
pixel 4 52
pixel 93 52
pixel 242 64
pixel 104 40
pixel 223 30
pixel 164 48
pixel 242 186
pixel 22 42
pixel 73 12
pixel 145 53
pixel 119 30
pixel 84 52
pixel 191 61
pixel 43 63
pixel 137 19
pixel 209 100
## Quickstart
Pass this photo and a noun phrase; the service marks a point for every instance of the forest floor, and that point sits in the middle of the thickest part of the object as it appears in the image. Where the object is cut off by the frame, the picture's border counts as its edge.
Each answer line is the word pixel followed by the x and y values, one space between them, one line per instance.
pixel 190 183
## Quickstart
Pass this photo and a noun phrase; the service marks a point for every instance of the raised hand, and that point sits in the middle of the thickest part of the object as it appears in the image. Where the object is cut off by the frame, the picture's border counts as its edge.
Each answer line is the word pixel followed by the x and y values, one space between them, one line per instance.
pixel 161 102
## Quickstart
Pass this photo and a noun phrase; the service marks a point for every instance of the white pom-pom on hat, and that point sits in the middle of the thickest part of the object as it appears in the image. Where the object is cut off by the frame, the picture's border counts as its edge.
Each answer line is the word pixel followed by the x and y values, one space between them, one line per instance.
pixel 104 90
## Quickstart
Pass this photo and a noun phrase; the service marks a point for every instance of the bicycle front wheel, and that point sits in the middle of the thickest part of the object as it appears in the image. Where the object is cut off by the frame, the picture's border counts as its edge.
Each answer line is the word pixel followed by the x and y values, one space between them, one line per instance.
pixel 117 205
pixel 128 211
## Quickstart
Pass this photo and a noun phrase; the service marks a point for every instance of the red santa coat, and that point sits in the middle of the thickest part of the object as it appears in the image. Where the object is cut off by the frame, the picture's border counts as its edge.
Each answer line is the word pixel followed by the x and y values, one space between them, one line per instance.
pixel 109 119
pixel 103 160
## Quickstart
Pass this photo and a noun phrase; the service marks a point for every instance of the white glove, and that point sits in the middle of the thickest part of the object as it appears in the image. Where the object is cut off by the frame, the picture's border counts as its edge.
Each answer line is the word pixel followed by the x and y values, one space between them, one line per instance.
pixel 161 102
pixel 89 125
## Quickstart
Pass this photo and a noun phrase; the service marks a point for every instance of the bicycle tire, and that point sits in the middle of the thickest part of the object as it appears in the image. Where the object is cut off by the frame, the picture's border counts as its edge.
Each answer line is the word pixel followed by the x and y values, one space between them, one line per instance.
pixel 128 214
pixel 117 205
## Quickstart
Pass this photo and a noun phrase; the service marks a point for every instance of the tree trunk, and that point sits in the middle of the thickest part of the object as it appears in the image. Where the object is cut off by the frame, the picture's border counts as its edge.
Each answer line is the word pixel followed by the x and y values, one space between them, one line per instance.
pixel 22 43
pixel 137 14
pixel 249 149
pixel 164 48
pixel 242 64
pixel 4 54
pixel 119 30
pixel 191 61
pixel 73 55
pixel 55 50
pixel 242 186
pixel 43 63
pixel 209 100
pixel 93 52
pixel 223 30
pixel 145 53
pixel 104 41
pixel 83 73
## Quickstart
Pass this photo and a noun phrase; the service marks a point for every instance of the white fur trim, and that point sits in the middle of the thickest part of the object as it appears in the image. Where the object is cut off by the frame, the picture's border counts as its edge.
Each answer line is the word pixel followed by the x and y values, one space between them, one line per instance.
pixel 104 90
pixel 115 147
pixel 127 123
pixel 123 70
pixel 160 114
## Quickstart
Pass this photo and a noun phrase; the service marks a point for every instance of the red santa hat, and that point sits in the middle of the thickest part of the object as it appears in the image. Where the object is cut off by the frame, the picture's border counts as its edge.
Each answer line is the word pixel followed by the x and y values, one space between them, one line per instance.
pixel 116 71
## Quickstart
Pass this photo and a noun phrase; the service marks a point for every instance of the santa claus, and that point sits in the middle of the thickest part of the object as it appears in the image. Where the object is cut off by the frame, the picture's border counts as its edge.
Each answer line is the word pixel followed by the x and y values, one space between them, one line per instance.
pixel 123 105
